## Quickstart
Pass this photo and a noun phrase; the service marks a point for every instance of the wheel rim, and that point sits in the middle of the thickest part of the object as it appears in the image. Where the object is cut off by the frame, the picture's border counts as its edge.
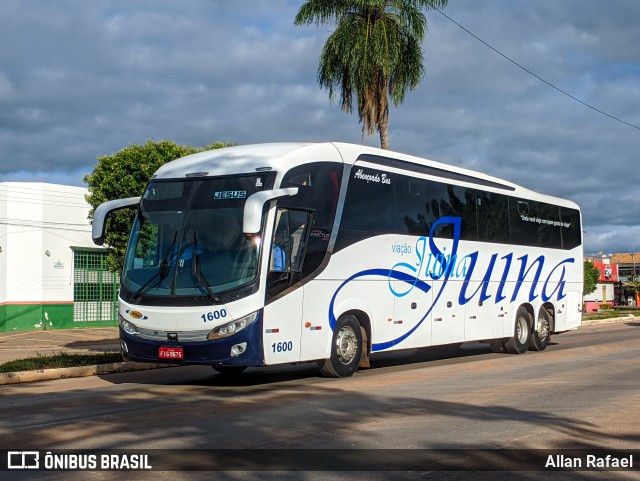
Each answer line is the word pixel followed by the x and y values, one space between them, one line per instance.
pixel 543 328
pixel 522 330
pixel 346 345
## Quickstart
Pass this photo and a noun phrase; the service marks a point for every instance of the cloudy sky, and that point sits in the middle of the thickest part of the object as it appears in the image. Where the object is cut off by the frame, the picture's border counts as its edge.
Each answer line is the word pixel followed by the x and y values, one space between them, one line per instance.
pixel 82 79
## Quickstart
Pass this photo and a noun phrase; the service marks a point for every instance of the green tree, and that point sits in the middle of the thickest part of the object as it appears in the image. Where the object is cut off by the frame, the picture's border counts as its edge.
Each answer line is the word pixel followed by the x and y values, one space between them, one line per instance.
pixel 375 53
pixel 125 174
pixel 591 277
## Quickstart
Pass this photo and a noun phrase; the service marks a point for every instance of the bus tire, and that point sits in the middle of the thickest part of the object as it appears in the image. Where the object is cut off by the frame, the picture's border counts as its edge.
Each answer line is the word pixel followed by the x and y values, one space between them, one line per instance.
pixel 229 371
pixel 542 335
pixel 346 348
pixel 519 342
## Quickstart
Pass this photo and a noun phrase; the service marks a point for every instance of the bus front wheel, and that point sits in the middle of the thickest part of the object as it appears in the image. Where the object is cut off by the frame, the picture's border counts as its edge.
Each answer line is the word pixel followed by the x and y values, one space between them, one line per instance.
pixel 346 348
pixel 521 339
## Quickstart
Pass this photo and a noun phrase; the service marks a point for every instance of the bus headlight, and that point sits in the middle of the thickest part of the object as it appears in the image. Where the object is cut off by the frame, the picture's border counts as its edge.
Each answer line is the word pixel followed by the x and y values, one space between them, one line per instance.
pixel 233 327
pixel 128 327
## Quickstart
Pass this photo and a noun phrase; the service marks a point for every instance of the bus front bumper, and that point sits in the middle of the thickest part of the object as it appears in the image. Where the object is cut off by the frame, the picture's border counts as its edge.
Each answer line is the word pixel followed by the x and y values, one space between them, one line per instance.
pixel 241 349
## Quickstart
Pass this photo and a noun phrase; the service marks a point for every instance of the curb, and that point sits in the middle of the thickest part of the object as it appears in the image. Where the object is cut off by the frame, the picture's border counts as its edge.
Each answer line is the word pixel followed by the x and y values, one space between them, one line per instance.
pixel 71 372
pixel 611 320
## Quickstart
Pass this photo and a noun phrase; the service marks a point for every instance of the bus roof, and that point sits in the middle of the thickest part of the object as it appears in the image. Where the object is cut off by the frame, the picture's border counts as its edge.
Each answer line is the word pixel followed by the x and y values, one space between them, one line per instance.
pixel 282 156
pixel 245 159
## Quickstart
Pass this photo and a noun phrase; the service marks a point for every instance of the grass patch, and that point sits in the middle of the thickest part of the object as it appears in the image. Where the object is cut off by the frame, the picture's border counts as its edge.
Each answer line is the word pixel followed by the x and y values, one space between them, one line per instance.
pixel 610 314
pixel 61 359
pixel 594 316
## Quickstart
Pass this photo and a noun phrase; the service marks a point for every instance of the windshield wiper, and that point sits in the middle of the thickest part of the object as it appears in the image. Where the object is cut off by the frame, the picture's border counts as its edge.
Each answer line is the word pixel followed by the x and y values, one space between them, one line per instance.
pixel 163 270
pixel 197 272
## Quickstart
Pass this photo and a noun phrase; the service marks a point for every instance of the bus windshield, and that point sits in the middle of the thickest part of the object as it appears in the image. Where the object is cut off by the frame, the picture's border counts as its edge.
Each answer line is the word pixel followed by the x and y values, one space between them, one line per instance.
pixel 187 239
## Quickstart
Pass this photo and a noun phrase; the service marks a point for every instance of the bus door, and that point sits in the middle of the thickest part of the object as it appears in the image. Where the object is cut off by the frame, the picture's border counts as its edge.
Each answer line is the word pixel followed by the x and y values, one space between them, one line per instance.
pixel 284 297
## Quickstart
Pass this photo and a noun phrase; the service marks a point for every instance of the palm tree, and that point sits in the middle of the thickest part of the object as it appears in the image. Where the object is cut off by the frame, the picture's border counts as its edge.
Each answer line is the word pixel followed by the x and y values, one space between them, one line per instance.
pixel 374 51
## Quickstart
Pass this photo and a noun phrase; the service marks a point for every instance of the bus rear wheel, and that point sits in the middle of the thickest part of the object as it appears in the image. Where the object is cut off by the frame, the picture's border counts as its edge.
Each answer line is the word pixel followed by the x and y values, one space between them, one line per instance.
pixel 519 343
pixel 542 335
pixel 346 348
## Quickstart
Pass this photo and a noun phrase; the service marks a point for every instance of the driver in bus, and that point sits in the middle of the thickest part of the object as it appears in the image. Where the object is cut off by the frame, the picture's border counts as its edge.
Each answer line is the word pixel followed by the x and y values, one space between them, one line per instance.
pixel 279 254
pixel 188 247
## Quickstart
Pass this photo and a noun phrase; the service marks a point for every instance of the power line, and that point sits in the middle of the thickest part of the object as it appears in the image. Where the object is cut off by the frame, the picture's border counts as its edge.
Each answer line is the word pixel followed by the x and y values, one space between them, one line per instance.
pixel 18 196
pixel 56 193
pixel 27 195
pixel 39 195
pixel 41 203
pixel 535 75
pixel 44 227
pixel 14 221
pixel 18 200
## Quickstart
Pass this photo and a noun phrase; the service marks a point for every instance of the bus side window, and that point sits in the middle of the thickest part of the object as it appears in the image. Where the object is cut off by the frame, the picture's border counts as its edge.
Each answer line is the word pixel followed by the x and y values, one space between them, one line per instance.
pixel 522 219
pixel 289 240
pixel 570 228
pixel 319 189
pixel 457 201
pixel 493 217
pixel 280 244
pixel 549 231
pixel 288 246
pixel 415 211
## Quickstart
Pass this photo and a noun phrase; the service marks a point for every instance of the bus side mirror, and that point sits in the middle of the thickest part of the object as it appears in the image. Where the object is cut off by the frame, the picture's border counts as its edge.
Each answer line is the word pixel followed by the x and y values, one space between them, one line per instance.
pixel 102 212
pixel 252 216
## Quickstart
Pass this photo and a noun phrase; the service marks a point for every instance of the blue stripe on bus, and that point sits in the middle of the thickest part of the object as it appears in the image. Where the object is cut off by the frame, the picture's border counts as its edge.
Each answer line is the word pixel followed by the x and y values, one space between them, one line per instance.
pixel 389 274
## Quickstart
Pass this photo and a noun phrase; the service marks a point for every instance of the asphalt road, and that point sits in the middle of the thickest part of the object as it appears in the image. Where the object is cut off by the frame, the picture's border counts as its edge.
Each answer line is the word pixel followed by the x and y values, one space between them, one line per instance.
pixel 582 392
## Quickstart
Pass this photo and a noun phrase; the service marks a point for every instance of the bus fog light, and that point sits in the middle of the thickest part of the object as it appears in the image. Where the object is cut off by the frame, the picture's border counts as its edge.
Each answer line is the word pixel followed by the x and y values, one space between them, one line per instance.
pixel 238 349
pixel 123 346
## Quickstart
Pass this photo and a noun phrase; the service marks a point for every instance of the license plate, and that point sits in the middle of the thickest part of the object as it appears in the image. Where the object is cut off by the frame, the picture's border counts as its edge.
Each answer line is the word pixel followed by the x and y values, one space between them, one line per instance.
pixel 170 353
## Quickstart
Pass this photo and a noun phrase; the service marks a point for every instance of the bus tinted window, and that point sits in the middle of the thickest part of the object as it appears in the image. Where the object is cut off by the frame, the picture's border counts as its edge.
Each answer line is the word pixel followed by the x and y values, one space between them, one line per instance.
pixel 549 226
pixel 417 207
pixel 318 190
pixel 486 216
pixel 522 219
pixel 571 235
pixel 493 217
pixel 370 206
pixel 460 202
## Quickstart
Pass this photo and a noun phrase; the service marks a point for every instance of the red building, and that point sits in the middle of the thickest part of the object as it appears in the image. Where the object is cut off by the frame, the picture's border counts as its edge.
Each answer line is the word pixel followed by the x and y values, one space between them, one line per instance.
pixel 605 292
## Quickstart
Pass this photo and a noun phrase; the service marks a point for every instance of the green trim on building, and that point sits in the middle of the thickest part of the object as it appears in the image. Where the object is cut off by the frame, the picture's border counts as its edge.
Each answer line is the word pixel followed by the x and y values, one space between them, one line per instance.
pixel 37 317
pixel 95 300
pixel 101 250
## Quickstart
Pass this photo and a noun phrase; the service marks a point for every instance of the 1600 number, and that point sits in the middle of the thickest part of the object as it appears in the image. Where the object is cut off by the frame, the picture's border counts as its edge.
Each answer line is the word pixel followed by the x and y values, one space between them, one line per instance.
pixel 282 346
pixel 214 316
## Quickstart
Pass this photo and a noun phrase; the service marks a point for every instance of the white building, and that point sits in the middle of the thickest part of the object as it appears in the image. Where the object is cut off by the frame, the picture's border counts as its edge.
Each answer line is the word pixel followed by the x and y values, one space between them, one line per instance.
pixel 51 274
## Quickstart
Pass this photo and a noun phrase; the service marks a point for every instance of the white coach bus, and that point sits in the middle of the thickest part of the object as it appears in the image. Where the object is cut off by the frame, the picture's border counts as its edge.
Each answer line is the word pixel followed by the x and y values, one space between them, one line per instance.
pixel 285 253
